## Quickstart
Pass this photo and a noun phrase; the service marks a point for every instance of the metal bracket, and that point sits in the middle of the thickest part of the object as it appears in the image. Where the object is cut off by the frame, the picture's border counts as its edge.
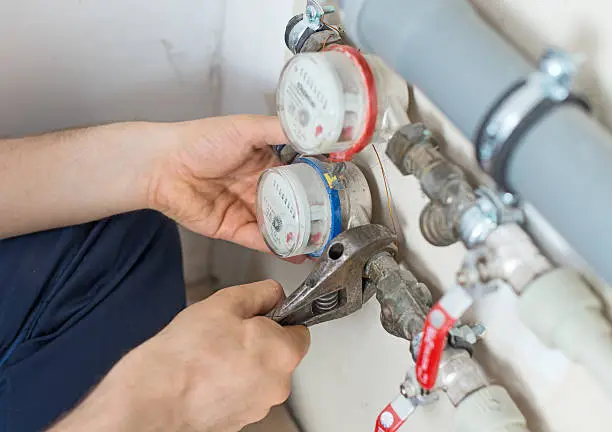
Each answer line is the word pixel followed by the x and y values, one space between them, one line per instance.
pixel 553 82
pixel 308 32
pixel 314 12
pixel 473 275
pixel 500 208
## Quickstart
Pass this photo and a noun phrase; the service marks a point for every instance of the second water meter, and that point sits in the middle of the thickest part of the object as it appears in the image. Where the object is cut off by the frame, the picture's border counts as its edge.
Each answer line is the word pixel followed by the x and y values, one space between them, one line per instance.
pixel 302 207
pixel 338 101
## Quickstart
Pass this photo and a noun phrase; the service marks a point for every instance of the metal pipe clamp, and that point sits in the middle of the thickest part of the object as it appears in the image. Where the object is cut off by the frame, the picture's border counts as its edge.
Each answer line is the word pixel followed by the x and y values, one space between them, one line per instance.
pixel 521 107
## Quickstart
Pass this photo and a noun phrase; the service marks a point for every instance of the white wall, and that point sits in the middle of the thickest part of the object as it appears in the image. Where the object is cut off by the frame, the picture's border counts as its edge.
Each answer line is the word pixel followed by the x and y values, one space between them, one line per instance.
pixel 354 368
pixel 77 62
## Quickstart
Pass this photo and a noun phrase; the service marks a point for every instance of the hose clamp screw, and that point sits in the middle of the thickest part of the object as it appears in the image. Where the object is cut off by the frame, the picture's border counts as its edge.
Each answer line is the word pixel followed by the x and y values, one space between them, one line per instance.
pixel 560 68
pixel 475 226
pixel 314 12
pixel 509 199
pixel 411 390
pixel 470 333
pixel 500 208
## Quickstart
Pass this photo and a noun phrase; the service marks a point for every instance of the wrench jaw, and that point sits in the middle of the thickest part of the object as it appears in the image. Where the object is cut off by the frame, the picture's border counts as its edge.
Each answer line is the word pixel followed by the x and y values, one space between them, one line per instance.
pixel 340 272
pixel 308 315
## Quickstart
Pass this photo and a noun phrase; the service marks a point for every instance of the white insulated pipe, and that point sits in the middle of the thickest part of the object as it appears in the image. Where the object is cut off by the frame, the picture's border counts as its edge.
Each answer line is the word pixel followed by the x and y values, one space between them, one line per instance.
pixel 490 409
pixel 562 310
pixel 480 405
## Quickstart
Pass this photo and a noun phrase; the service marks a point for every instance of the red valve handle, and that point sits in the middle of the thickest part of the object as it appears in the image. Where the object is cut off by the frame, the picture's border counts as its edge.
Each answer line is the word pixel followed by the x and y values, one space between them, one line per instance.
pixel 440 321
pixel 394 415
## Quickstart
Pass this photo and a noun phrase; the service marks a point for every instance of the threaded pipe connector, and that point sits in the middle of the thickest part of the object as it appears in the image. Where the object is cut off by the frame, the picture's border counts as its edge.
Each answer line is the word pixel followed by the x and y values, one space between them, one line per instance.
pixel 435 225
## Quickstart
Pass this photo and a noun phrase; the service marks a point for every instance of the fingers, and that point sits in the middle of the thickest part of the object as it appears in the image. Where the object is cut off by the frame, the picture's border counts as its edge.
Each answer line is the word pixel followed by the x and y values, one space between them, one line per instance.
pixel 261 131
pixel 250 236
pixel 254 299
pixel 296 260
pixel 291 345
pixel 283 348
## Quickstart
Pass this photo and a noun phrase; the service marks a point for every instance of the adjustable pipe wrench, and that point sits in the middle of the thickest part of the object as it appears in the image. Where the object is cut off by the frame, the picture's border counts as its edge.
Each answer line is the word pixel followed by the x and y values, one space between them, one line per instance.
pixel 358 264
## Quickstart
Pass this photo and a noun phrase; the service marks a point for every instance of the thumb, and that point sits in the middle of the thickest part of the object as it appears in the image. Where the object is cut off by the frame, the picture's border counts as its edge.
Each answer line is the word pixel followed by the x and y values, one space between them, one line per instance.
pixel 298 338
pixel 254 299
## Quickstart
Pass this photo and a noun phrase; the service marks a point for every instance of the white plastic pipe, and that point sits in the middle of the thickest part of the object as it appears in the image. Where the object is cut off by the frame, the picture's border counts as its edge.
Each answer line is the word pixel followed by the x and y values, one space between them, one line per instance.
pixel 562 310
pixel 490 409
pixel 481 407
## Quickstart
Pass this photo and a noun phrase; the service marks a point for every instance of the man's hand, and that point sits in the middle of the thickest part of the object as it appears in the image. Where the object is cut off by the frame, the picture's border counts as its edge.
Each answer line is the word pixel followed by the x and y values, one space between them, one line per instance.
pixel 218 366
pixel 208 178
pixel 201 173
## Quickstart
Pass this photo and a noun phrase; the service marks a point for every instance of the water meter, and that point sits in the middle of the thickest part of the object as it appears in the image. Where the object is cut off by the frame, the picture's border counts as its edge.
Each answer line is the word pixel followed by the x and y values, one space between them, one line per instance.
pixel 303 206
pixel 338 101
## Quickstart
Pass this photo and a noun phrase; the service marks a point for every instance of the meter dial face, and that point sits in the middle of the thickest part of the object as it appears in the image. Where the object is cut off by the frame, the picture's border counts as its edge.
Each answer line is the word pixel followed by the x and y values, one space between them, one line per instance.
pixel 279 215
pixel 311 103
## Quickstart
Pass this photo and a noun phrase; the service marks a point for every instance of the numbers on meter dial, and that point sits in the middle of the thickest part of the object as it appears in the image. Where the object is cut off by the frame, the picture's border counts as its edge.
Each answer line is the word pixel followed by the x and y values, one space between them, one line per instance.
pixel 310 102
pixel 280 214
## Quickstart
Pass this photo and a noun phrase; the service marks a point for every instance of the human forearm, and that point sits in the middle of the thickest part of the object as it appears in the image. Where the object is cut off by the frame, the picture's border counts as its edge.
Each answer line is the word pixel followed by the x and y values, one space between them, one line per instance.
pixel 201 173
pixel 76 176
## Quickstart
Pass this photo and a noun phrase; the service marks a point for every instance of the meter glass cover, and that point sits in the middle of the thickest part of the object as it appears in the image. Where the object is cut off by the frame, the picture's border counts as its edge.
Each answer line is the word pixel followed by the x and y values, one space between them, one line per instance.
pixel 311 103
pixel 279 213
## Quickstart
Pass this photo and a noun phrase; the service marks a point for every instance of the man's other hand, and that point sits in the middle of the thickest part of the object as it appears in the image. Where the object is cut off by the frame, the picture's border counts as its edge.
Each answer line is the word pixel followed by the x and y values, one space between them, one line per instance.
pixel 219 366
pixel 207 179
